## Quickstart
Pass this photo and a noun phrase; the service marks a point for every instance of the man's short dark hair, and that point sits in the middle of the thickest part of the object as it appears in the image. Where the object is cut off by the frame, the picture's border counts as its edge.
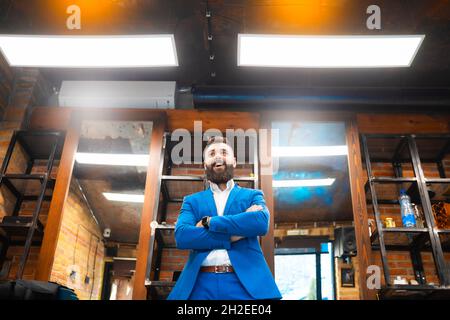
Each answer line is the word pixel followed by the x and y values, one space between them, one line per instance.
pixel 216 139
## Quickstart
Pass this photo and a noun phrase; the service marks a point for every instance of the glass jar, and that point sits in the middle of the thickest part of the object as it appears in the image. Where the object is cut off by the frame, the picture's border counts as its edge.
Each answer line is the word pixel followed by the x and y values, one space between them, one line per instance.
pixel 389 222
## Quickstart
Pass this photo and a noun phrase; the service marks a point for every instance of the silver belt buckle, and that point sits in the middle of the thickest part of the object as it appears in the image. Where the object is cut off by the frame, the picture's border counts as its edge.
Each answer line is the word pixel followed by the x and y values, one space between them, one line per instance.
pixel 218 268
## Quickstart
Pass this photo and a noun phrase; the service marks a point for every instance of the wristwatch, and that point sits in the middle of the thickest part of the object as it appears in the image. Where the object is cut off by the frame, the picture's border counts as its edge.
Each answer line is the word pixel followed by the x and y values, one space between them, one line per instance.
pixel 205 222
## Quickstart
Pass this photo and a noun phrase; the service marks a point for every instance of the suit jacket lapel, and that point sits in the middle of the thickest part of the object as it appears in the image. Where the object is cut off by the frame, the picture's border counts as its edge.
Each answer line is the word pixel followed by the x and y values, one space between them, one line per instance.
pixel 210 202
pixel 230 199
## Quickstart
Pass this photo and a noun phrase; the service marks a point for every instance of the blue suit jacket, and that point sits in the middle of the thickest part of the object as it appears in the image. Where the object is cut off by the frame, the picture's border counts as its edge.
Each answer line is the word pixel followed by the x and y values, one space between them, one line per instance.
pixel 245 255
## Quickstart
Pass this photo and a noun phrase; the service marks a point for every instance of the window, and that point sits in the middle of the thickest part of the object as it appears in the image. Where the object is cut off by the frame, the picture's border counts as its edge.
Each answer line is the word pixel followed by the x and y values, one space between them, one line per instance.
pixel 297 270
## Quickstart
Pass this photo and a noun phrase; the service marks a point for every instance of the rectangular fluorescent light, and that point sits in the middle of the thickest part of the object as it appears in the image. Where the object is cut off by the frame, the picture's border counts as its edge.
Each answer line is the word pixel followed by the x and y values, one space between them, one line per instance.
pixel 89 51
pixel 124 197
pixel 134 160
pixel 302 183
pixel 322 151
pixel 327 51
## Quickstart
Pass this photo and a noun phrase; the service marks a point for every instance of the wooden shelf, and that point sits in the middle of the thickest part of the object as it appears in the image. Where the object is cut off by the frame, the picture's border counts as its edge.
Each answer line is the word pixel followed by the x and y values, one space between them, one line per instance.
pixel 391 180
pixel 199 178
pixel 414 292
pixel 159 290
pixel 398 238
pixel 165 236
pixel 437 180
pixel 19 228
pixel 18 231
pixel 38 144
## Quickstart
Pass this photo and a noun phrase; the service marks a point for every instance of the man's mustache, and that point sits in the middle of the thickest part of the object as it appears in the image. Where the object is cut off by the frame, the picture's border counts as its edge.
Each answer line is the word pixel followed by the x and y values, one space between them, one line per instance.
pixel 218 163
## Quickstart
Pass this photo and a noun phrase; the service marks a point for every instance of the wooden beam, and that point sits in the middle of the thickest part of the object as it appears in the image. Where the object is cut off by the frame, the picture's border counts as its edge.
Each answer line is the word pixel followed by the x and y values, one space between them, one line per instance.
pixel 265 158
pixel 54 118
pixel 119 114
pixel 360 217
pixel 302 115
pixel 50 118
pixel 59 118
pixel 220 120
pixel 403 123
pixel 56 210
pixel 150 208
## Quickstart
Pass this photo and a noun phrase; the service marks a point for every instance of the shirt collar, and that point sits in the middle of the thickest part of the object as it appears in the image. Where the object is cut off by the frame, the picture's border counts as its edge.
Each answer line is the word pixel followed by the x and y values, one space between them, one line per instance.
pixel 215 188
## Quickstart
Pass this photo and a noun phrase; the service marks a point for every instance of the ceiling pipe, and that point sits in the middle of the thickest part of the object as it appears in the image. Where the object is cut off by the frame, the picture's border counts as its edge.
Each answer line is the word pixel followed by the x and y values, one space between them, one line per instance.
pixel 213 97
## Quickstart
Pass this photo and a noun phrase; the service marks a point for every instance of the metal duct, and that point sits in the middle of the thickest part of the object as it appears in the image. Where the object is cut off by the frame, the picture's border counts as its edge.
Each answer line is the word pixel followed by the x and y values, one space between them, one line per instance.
pixel 209 96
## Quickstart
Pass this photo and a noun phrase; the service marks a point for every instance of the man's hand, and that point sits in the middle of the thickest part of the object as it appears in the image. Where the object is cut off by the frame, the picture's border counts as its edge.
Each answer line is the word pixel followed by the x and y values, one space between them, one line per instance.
pixel 236 238
pixel 200 224
pixel 255 207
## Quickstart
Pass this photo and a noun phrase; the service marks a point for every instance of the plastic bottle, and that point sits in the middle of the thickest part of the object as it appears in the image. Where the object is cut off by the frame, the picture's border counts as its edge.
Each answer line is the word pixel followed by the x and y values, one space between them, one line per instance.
pixel 408 219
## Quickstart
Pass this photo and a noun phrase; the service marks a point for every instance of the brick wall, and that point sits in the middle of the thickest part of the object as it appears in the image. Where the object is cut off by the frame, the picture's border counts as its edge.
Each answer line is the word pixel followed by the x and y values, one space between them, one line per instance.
pixel 172 259
pixel 6 83
pixel 20 90
pixel 17 164
pixel 29 89
pixel 76 249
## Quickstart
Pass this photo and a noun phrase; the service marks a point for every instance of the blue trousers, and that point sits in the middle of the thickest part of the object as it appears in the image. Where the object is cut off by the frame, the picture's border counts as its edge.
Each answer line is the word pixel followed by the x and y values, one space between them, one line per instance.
pixel 219 286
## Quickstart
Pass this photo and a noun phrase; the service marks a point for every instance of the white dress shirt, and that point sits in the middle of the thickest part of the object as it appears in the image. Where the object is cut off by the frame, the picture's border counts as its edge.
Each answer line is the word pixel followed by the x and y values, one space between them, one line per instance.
pixel 219 257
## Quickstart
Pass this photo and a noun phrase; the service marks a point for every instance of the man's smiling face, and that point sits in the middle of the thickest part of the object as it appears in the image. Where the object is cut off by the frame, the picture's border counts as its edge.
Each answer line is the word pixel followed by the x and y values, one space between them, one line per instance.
pixel 219 162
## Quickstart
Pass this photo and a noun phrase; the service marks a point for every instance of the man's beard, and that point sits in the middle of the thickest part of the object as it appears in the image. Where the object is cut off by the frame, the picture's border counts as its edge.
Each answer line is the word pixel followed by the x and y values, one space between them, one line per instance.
pixel 219 177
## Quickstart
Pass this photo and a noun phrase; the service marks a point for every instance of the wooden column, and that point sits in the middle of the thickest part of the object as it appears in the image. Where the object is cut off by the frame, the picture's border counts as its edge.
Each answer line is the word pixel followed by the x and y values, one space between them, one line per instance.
pixel 56 210
pixel 265 153
pixel 360 217
pixel 150 207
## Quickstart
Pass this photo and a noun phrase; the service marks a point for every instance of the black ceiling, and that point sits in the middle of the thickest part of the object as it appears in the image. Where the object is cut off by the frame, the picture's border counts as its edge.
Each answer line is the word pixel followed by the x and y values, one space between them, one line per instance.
pixel 187 20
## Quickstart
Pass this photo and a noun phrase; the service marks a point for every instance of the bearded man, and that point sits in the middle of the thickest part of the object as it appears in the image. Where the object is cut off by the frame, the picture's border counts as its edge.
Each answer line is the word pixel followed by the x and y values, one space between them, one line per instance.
pixel 221 226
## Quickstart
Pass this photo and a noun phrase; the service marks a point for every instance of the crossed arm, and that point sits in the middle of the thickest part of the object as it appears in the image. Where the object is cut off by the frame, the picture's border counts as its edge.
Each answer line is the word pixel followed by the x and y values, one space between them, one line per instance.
pixel 189 234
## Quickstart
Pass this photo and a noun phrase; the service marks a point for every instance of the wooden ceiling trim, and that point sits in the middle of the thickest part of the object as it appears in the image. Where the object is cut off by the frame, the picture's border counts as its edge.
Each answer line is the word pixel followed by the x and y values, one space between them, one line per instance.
pixel 215 119
pixel 56 118
pixel 403 123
